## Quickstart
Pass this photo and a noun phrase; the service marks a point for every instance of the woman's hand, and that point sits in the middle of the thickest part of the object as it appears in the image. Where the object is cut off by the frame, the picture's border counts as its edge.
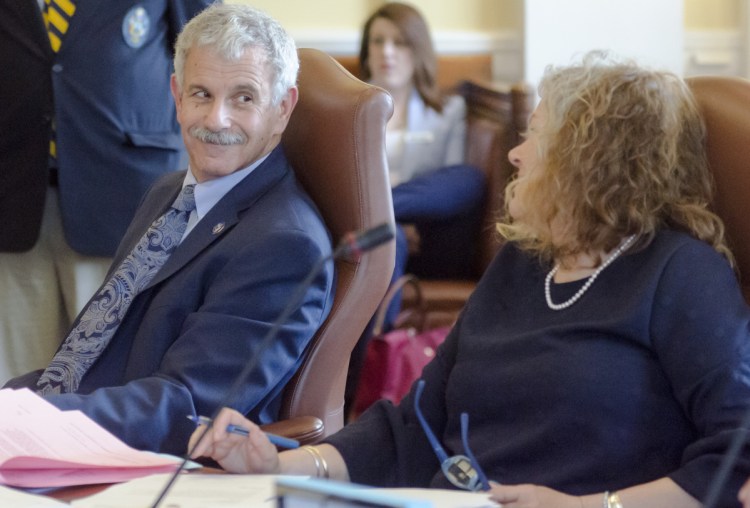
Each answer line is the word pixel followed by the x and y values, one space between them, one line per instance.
pixel 744 494
pixel 531 496
pixel 235 453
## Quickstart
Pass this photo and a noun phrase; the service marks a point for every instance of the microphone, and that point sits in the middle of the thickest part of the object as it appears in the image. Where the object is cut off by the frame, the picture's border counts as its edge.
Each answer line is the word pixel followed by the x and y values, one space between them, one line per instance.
pixel 352 244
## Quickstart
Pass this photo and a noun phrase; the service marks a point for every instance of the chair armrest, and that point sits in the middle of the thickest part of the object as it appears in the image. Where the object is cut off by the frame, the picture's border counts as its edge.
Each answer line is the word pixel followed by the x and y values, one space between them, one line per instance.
pixel 305 429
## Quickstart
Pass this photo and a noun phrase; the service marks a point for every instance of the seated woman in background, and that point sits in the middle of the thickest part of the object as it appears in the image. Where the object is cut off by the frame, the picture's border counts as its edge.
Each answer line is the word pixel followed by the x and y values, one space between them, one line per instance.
pixel 603 358
pixel 437 199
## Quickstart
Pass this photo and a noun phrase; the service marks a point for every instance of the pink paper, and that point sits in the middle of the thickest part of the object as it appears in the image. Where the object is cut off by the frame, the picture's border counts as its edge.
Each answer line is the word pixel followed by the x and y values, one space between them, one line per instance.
pixel 41 446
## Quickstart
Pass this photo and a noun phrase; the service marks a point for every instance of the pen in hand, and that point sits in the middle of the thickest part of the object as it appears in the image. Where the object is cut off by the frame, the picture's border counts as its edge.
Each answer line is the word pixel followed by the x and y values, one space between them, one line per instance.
pixel 281 441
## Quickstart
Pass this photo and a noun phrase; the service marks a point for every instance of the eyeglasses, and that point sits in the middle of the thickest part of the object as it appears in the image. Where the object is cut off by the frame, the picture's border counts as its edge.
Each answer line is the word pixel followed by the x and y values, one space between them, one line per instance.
pixel 463 471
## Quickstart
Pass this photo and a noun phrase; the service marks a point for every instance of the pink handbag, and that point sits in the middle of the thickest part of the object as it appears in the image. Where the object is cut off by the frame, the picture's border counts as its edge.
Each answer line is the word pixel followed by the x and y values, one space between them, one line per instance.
pixel 395 359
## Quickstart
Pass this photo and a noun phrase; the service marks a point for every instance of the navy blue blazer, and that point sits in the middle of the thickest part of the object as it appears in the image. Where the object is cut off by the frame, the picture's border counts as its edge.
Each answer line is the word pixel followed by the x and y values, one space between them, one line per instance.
pixel 186 337
pixel 108 90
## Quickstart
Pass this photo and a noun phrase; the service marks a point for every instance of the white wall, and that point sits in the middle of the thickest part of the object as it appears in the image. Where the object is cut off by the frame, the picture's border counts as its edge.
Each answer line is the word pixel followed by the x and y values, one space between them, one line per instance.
pixel 556 31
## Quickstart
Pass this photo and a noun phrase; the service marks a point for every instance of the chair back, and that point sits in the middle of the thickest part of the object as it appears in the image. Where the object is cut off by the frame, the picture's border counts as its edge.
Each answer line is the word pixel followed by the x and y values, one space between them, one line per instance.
pixel 335 141
pixel 452 69
pixel 495 116
pixel 495 119
pixel 724 103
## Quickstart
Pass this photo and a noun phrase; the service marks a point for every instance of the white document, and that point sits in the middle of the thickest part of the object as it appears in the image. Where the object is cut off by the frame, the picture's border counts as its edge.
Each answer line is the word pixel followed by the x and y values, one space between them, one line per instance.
pixel 16 403
pixel 318 493
pixel 18 499
pixel 234 490
pixel 189 491
pixel 446 498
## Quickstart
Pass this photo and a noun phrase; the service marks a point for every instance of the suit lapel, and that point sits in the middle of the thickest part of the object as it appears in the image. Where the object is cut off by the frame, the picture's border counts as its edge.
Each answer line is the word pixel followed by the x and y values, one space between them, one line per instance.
pixel 25 18
pixel 226 213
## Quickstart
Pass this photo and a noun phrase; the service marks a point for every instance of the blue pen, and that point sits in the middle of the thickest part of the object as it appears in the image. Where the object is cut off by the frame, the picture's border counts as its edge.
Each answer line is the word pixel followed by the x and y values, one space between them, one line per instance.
pixel 281 441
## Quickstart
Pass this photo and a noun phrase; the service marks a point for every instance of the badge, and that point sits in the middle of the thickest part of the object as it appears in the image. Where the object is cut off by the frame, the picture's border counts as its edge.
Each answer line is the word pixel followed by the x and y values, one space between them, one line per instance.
pixel 135 27
pixel 218 228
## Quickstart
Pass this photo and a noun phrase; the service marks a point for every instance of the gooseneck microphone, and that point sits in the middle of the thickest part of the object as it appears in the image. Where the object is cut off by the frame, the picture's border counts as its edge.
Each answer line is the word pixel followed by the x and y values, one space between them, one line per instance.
pixel 352 246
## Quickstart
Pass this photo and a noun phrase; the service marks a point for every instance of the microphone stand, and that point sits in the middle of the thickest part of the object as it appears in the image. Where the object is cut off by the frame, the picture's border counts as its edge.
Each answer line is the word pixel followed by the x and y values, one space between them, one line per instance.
pixel 352 245
pixel 730 458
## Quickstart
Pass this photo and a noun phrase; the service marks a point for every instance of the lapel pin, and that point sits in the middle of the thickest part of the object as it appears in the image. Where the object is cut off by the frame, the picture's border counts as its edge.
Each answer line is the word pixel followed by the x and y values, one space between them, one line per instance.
pixel 218 228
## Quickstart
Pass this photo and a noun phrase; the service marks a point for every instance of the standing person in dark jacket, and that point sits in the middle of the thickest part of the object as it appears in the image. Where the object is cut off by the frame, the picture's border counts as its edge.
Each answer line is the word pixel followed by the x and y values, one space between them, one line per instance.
pixel 87 125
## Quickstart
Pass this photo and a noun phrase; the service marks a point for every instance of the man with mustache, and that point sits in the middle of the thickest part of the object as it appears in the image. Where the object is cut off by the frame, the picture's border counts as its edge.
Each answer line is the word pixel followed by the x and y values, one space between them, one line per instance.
pixel 210 259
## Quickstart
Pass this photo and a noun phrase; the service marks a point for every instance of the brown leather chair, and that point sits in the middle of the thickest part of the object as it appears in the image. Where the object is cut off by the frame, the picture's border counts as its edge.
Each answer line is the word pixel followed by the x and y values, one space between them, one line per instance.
pixel 335 140
pixel 494 119
pixel 725 105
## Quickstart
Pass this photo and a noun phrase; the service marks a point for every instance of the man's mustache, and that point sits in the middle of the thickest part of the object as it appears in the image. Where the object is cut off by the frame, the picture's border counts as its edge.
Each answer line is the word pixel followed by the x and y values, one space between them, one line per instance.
pixel 222 137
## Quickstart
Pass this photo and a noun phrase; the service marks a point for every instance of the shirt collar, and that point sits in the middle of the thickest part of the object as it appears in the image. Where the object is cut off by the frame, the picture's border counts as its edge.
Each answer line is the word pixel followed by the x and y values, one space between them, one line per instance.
pixel 208 193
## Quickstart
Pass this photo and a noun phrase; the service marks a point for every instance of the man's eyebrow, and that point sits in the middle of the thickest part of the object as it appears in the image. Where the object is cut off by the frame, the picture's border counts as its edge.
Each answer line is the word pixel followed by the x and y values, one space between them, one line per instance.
pixel 194 86
pixel 245 87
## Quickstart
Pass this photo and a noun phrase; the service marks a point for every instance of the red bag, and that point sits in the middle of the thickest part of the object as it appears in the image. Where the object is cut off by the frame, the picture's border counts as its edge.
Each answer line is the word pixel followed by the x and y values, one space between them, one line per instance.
pixel 395 359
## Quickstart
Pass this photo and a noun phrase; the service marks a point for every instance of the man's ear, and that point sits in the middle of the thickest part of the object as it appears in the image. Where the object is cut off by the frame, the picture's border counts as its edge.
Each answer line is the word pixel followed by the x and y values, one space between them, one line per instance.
pixel 176 94
pixel 286 106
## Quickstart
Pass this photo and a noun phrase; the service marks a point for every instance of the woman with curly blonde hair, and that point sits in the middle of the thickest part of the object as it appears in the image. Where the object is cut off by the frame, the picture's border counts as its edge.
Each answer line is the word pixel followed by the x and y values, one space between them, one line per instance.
pixel 632 162
pixel 603 359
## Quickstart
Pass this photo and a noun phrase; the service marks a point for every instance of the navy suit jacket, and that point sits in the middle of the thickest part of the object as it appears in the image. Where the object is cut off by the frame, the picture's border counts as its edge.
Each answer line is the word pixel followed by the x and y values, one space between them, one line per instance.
pixel 115 117
pixel 188 335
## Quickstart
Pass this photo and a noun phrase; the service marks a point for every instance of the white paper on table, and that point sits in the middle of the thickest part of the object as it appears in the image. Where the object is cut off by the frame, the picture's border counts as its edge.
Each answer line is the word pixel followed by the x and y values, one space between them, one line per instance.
pixel 318 492
pixel 443 498
pixel 18 499
pixel 234 490
pixel 72 439
pixel 23 401
pixel 189 491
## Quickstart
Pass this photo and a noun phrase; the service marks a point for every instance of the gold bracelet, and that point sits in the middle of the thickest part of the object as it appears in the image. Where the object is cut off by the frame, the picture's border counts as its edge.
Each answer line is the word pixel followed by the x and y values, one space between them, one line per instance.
pixel 320 461
pixel 613 500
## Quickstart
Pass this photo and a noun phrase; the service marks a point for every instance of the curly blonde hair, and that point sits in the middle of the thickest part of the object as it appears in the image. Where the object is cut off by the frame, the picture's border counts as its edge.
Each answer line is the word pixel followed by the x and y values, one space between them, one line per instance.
pixel 623 151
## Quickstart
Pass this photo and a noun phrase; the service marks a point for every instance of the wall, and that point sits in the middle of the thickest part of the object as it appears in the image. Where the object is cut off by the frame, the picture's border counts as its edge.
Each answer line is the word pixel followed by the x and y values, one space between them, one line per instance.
pixel 714 38
pixel 648 31
pixel 713 14
pixel 468 26
pixel 466 15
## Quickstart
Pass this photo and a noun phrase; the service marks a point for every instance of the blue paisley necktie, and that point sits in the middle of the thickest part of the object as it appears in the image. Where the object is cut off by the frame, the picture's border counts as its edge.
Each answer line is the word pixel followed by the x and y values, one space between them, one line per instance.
pixel 108 307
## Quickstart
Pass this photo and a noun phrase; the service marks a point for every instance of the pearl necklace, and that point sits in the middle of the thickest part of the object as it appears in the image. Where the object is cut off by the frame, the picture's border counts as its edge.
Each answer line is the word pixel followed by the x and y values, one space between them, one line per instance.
pixel 573 299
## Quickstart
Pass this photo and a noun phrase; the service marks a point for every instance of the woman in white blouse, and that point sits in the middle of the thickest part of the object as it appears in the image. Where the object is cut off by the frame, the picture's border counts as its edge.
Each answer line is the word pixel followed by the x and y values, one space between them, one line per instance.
pixel 434 192
pixel 437 198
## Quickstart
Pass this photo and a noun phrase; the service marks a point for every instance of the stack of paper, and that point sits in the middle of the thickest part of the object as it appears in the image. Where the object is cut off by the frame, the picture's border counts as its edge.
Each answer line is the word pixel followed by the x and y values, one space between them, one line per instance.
pixel 41 446
pixel 296 492
pixel 260 491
